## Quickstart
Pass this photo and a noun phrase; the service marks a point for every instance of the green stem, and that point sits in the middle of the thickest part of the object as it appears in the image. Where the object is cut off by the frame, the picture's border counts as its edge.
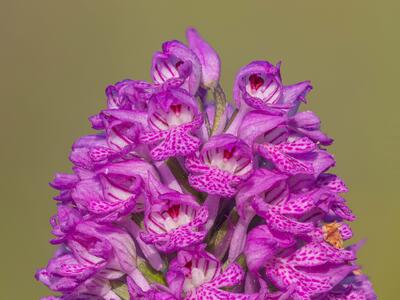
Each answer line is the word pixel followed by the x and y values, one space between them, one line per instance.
pixel 203 111
pixel 231 119
pixel 220 105
pixel 149 273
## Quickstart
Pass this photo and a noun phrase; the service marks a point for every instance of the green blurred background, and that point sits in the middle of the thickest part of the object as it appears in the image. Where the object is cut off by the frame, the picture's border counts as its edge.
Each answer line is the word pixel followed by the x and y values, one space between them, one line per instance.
pixel 58 56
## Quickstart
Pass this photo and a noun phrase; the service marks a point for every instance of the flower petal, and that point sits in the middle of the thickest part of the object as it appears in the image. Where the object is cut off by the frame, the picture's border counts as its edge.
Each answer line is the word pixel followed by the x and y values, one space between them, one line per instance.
pixel 315 254
pixel 208 57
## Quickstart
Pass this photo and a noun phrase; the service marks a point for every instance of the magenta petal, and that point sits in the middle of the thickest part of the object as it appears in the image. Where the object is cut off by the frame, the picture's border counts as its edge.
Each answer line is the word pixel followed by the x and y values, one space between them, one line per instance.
pixel 215 182
pixel 63 181
pixel 257 123
pixel 183 53
pixel 149 251
pixel 261 180
pixel 177 142
pixel 260 247
pixel 279 222
pixel 315 254
pixel 259 84
pixel 208 57
pixel 333 183
pixel 296 92
pixel 284 162
pixel 308 124
pixel 238 238
pixel 231 276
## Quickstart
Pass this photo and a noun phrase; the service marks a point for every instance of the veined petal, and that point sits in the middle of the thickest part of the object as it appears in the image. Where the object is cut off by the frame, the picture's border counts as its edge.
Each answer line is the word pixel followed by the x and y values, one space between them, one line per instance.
pixel 191 269
pixel 296 92
pixel 262 180
pixel 123 127
pixel 257 123
pixel 124 249
pixel 176 66
pixel 304 286
pixel 259 84
pixel 215 182
pixel 262 244
pixel 184 54
pixel 208 57
pixel 340 208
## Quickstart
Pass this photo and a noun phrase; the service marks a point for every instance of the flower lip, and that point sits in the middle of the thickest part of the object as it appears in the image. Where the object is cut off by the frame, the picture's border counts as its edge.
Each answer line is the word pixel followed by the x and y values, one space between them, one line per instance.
pixel 222 164
pixel 173 120
pixel 171 109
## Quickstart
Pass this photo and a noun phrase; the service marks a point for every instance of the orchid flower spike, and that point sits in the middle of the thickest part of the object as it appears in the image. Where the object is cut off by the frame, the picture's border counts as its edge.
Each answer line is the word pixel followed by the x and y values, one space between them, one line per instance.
pixel 181 195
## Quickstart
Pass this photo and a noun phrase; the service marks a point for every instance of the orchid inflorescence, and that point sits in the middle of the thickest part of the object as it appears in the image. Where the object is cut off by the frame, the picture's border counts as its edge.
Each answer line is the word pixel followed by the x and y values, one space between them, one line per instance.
pixel 184 195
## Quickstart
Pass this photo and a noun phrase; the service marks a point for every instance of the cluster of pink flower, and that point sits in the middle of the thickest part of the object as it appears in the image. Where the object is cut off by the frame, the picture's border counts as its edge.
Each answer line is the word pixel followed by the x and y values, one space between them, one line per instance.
pixel 182 195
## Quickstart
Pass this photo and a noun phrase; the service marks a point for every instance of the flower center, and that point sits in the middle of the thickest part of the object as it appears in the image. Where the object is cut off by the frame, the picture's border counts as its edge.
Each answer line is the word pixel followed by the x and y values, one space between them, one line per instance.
pixel 199 271
pixel 228 154
pixel 166 69
pixel 171 218
pixel 173 211
pixel 264 87
pixel 178 63
pixel 188 265
pixel 255 81
pixel 176 108
pixel 228 160
pixel 176 115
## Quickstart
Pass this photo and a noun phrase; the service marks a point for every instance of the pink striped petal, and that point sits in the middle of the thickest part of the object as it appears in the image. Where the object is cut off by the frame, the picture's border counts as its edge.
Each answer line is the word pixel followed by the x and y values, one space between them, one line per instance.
pixel 176 141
